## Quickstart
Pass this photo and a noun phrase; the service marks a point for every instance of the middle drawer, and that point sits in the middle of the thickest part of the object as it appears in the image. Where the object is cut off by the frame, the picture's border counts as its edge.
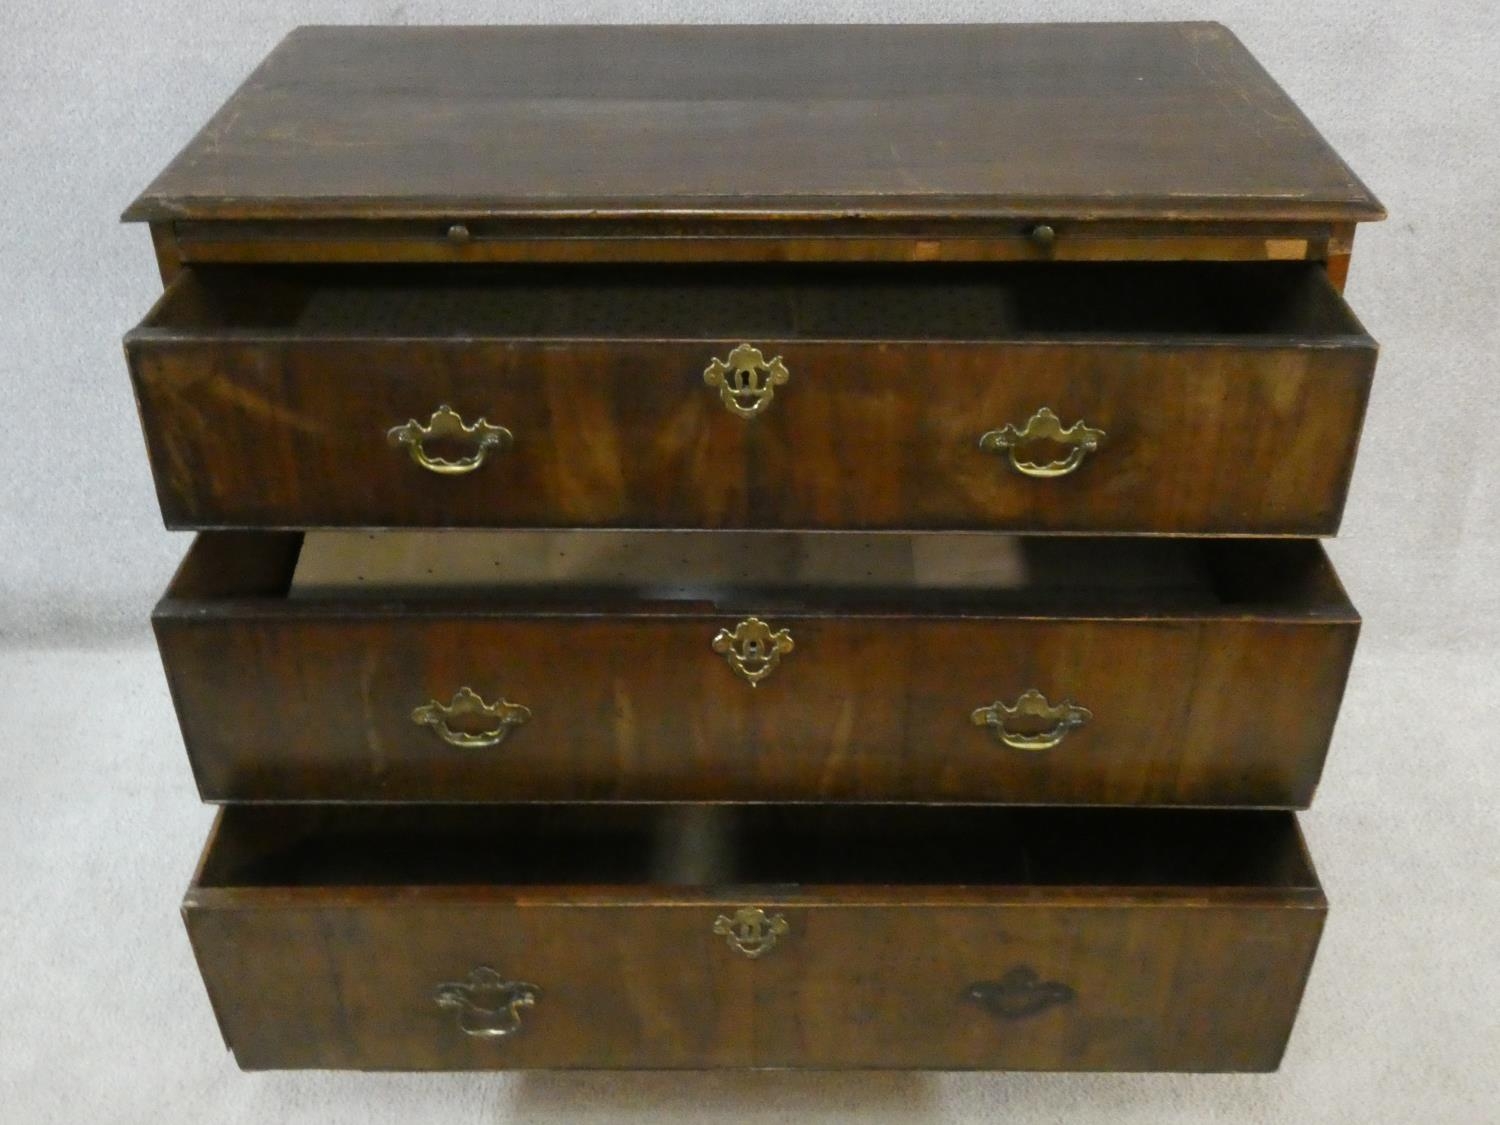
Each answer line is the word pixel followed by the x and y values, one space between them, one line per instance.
pixel 528 666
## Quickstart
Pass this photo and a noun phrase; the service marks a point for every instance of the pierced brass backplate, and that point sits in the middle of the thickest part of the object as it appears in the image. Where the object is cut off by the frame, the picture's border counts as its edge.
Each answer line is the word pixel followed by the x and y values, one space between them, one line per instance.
pixel 1044 425
pixel 746 380
pixel 468 702
pixel 1018 994
pixel 488 1006
pixel 446 424
pixel 751 930
pixel 1032 704
pixel 752 649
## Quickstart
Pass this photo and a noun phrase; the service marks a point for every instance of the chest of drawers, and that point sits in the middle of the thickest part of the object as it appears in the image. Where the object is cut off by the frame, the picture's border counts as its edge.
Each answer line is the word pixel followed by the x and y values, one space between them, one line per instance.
pixel 732 547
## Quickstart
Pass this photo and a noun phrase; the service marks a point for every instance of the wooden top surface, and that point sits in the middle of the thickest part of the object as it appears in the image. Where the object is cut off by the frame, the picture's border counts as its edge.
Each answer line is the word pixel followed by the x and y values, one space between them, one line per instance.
pixel 1065 121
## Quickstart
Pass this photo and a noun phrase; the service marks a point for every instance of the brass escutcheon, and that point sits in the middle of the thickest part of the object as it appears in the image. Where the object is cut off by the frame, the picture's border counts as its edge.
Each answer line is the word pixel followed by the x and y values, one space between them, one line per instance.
pixel 467 701
pixel 488 1005
pixel 1032 704
pixel 752 649
pixel 746 380
pixel 751 930
pixel 446 423
pixel 1018 994
pixel 1044 425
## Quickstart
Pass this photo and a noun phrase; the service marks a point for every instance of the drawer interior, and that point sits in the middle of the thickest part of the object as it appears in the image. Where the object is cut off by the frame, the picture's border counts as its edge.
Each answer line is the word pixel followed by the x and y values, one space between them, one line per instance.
pixel 777 302
pixel 694 572
pixel 706 847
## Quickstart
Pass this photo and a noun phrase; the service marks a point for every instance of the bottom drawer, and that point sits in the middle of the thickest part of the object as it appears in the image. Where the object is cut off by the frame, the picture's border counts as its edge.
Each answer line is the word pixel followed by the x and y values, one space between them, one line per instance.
pixel 495 937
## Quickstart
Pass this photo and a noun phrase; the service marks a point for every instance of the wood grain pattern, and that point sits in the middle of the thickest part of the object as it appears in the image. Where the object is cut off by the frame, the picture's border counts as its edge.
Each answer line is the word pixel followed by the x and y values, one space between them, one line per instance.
pixel 308 966
pixel 469 210
pixel 1220 703
pixel 255 418
pixel 168 251
pixel 1155 121
pixel 717 241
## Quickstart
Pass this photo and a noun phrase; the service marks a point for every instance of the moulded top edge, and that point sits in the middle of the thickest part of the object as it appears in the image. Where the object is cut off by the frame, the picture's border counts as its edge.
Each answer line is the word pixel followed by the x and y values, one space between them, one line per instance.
pixel 1169 121
pixel 875 211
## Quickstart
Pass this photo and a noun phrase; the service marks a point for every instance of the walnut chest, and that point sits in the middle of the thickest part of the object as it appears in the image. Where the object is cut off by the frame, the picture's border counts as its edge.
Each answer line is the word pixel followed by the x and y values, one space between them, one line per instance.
pixel 755 546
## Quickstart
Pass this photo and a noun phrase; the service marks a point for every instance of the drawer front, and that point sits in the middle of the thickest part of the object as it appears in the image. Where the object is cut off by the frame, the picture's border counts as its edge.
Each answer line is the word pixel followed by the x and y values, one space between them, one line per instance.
pixel 1211 711
pixel 1043 987
pixel 294 435
pixel 464 985
pixel 1210 439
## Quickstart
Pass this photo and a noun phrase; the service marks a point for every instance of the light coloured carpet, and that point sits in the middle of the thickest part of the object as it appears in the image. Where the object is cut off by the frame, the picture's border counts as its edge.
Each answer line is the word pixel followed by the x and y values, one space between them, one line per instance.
pixel 103 1018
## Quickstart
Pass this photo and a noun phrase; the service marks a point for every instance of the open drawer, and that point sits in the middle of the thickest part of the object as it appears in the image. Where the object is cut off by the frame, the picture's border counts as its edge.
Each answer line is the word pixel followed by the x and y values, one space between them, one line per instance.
pixel 629 666
pixel 1178 398
pixel 718 936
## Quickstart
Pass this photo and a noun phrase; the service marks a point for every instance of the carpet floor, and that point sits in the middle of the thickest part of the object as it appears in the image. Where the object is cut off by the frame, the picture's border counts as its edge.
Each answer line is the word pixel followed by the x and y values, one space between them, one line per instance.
pixel 103 1018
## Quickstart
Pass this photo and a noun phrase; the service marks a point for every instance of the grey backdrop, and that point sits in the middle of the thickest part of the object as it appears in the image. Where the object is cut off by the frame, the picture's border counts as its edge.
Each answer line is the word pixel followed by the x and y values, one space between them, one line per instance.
pixel 95 97
pixel 101 1016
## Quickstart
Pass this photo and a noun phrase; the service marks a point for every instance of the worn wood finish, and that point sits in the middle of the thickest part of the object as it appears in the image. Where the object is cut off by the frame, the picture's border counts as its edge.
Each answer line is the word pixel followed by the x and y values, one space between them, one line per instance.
pixel 1337 253
pixel 1222 694
pixel 168 249
pixel 940 230
pixel 725 241
pixel 1231 397
pixel 1039 122
pixel 1170 941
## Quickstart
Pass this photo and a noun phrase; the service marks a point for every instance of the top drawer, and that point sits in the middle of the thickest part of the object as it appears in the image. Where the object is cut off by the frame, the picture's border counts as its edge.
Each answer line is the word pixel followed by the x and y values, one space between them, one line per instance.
pixel 1204 399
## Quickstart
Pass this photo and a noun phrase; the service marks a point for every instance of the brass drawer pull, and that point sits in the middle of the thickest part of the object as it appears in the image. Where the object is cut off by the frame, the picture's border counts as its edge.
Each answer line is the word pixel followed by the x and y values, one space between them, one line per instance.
pixel 446 425
pixel 752 649
pixel 467 702
pixel 1043 234
pixel 1043 426
pixel 751 930
pixel 488 1006
pixel 1032 704
pixel 746 380
pixel 1018 994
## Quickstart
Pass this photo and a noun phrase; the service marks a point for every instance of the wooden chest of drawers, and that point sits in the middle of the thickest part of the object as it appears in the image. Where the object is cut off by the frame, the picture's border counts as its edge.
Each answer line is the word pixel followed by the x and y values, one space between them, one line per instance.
pixel 668 496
